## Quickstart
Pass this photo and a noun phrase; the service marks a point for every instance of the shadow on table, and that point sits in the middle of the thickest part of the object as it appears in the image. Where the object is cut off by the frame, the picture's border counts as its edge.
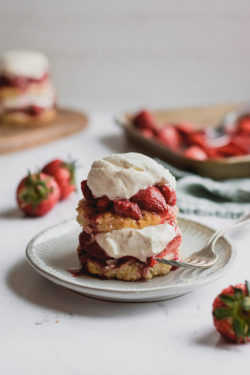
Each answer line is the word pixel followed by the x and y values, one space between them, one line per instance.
pixel 13 213
pixel 213 339
pixel 30 286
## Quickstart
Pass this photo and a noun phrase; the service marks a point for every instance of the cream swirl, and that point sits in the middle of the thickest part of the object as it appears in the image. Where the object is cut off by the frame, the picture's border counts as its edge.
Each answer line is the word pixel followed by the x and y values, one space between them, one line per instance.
pixel 139 243
pixel 123 175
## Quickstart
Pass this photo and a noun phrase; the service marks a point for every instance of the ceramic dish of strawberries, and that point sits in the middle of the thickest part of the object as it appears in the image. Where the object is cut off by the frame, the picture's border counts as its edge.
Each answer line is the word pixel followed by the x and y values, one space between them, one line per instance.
pixel 186 139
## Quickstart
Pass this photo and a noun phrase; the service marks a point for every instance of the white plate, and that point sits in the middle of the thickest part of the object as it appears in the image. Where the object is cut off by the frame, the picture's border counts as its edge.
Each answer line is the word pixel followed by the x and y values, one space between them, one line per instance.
pixel 53 251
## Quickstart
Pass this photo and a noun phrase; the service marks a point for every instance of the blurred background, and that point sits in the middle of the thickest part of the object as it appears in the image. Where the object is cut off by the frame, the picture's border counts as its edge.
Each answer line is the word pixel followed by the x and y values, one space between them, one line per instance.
pixel 128 54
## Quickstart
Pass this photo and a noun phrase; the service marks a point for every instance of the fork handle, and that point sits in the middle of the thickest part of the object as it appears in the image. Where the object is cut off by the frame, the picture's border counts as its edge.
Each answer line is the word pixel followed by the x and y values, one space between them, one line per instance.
pixel 243 220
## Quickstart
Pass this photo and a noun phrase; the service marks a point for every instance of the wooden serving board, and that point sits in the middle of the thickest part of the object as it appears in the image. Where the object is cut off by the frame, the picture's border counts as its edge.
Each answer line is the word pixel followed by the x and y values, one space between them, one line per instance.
pixel 14 138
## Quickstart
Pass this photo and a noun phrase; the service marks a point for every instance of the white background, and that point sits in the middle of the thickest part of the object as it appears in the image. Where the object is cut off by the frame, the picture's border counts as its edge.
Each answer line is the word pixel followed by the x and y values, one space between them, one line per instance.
pixel 113 55
pixel 123 54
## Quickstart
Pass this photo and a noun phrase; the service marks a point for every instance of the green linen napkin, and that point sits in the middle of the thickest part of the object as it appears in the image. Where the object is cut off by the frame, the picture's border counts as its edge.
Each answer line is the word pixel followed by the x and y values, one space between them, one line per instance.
pixel 204 196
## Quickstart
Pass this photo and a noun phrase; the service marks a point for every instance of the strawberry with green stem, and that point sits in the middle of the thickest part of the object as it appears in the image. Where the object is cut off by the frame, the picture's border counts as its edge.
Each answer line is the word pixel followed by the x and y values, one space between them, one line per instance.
pixel 231 313
pixel 37 194
pixel 64 174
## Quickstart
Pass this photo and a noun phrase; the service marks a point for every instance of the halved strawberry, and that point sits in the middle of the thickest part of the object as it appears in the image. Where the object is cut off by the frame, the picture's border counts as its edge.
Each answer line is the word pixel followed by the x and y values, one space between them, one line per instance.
pixel 242 140
pixel 150 199
pixel 88 243
pixel 230 149
pixel 147 133
pixel 231 313
pixel 145 119
pixel 87 193
pixel 198 138
pixel 169 194
pixel 127 208
pixel 171 248
pixel 184 128
pixel 244 124
pixel 103 203
pixel 170 137
pixel 195 152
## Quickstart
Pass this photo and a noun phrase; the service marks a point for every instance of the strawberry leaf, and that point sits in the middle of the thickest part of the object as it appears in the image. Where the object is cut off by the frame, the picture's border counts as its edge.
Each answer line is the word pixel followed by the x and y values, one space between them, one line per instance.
pixel 238 293
pixel 71 165
pixel 239 329
pixel 248 287
pixel 223 312
pixel 35 191
pixel 228 300
pixel 248 332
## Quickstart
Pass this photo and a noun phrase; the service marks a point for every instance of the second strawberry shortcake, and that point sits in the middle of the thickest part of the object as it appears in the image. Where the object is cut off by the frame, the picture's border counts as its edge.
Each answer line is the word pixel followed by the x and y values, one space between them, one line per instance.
pixel 27 96
pixel 128 218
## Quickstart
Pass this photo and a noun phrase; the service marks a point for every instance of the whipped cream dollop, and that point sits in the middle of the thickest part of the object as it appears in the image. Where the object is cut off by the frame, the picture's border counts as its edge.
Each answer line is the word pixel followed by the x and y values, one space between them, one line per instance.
pixel 123 175
pixel 31 64
pixel 139 243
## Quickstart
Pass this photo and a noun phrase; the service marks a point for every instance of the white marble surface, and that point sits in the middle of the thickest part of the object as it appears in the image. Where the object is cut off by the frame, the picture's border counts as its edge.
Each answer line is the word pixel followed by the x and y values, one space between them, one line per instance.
pixel 45 329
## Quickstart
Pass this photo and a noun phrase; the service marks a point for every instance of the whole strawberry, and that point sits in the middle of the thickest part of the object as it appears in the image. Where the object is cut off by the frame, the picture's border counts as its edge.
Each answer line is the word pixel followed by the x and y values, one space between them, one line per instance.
pixel 37 194
pixel 231 313
pixel 64 174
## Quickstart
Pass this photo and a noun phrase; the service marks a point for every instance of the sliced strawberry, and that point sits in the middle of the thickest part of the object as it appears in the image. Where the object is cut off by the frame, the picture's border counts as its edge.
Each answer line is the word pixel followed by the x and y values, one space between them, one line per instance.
pixel 169 194
pixel 88 243
pixel 195 152
pixel 198 138
pixel 230 149
pixel 147 133
pixel 103 203
pixel 184 128
pixel 244 124
pixel 151 261
pixel 242 140
pixel 145 119
pixel 127 208
pixel 87 193
pixel 171 248
pixel 170 137
pixel 150 199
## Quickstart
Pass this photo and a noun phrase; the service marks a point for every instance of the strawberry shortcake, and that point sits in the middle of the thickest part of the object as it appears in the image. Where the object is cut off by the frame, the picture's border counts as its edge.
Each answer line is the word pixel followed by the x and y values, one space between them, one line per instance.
pixel 128 216
pixel 27 95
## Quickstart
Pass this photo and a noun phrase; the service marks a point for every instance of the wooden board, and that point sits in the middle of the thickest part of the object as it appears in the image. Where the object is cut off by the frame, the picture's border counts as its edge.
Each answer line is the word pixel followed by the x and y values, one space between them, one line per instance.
pixel 14 138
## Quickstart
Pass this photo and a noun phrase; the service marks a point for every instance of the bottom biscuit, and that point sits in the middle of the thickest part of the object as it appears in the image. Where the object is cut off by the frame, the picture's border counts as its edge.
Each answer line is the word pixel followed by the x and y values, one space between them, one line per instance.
pixel 22 118
pixel 127 270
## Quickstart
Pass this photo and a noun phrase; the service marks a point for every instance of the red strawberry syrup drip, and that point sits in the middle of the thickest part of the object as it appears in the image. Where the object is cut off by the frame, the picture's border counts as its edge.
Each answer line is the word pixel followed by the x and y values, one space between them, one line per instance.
pixel 75 271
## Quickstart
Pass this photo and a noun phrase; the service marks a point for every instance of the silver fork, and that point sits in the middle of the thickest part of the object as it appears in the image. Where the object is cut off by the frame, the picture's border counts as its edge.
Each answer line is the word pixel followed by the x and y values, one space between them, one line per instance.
pixel 205 257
